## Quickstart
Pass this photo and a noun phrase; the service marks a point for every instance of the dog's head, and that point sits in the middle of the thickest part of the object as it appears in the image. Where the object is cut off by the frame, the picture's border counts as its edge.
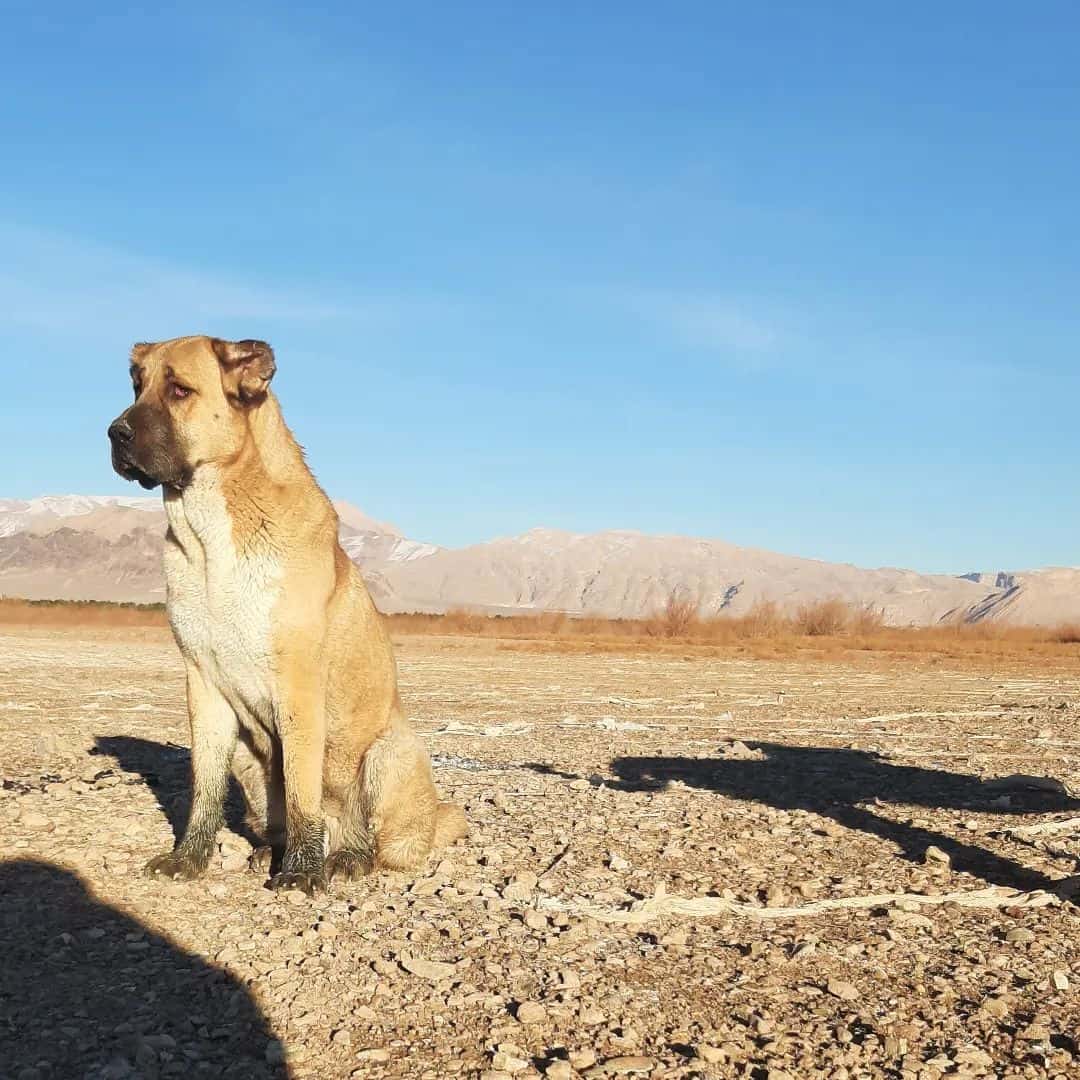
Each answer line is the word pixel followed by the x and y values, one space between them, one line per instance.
pixel 195 398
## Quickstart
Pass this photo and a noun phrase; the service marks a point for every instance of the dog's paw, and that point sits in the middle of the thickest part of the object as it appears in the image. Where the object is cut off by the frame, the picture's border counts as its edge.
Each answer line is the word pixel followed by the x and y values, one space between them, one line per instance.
pixel 347 865
pixel 307 883
pixel 175 865
pixel 260 859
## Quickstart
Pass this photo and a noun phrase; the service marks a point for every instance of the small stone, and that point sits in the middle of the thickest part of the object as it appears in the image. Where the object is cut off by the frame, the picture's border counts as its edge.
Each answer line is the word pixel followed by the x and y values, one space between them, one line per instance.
pixel 327 929
pixel 627 1064
pixel 582 1059
pixel 559 1069
pixel 374 1053
pixel 536 920
pixel 617 863
pixel 296 897
pixel 845 991
pixel 910 918
pixel 531 1012
pixel 341 1037
pixel 935 856
pixel 998 1008
pixel 1020 936
pixel 275 1051
pixel 973 1056
pixel 1060 980
pixel 713 1055
pixel 591 1016
pixel 432 970
pixel 218 890
pixel 35 820
pixel 508 1062
pixel 776 896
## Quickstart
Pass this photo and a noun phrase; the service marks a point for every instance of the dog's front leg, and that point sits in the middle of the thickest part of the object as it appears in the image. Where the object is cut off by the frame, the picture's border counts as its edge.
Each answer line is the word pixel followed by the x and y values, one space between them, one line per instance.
pixel 213 742
pixel 301 724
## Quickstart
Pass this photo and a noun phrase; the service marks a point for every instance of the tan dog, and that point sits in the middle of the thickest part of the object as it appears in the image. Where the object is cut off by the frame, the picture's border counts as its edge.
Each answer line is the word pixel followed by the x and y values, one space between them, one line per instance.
pixel 291 679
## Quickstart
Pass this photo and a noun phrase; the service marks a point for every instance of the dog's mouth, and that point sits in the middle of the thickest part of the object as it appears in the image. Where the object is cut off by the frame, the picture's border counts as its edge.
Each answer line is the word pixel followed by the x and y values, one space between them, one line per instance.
pixel 130 471
pixel 133 472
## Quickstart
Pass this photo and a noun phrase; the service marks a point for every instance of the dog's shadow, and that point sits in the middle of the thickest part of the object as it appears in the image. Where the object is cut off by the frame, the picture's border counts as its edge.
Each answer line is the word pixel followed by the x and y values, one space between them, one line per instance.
pixel 849 786
pixel 166 768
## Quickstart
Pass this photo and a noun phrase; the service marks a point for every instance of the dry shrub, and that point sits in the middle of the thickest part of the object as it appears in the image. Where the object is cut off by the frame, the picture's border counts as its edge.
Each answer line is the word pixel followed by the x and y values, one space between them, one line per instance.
pixel 462 621
pixel 865 620
pixel 679 614
pixel 822 618
pixel 763 620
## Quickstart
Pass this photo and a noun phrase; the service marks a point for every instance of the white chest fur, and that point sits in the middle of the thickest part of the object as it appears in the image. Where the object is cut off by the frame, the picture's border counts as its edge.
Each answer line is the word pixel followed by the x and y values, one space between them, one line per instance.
pixel 221 599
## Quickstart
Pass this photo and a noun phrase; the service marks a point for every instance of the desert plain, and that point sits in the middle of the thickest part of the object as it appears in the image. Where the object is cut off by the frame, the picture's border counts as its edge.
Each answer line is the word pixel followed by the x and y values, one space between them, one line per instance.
pixel 683 863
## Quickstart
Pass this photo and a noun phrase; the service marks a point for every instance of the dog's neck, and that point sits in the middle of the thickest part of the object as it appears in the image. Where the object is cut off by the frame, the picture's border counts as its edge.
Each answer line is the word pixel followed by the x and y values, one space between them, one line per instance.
pixel 270 453
pixel 247 487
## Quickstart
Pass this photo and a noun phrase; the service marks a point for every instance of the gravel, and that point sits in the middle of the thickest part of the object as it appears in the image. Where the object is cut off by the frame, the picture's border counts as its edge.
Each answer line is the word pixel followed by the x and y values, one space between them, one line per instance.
pixel 770 783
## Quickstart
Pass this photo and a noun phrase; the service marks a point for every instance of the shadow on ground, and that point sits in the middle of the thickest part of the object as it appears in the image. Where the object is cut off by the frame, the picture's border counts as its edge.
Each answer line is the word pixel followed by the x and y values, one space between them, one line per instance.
pixel 167 771
pixel 87 991
pixel 837 783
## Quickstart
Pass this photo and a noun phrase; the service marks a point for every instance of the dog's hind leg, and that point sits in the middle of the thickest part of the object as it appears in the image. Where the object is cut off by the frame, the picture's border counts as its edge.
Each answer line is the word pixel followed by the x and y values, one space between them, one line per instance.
pixel 404 813
pixel 351 852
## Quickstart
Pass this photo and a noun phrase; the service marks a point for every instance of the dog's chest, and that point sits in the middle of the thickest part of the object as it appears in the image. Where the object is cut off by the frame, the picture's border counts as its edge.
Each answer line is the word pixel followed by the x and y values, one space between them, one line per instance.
pixel 221 601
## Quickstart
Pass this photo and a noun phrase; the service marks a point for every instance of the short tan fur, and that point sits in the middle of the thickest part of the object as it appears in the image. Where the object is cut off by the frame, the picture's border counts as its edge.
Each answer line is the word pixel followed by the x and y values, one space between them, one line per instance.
pixel 291 680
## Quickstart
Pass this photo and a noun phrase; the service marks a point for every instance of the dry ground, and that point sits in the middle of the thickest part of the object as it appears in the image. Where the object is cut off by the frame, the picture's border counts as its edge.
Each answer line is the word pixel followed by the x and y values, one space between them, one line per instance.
pixel 592 781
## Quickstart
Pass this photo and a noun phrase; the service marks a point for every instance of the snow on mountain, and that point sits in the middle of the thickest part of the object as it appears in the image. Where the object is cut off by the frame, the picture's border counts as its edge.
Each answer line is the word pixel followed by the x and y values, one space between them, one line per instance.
pixel 18 515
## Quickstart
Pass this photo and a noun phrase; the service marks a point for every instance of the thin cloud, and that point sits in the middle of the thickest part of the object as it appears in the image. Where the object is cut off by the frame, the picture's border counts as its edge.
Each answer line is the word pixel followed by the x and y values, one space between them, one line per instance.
pixel 705 321
pixel 57 283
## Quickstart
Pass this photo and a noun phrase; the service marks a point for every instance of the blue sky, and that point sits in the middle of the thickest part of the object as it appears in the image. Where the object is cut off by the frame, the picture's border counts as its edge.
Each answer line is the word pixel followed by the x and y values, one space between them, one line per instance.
pixel 799 276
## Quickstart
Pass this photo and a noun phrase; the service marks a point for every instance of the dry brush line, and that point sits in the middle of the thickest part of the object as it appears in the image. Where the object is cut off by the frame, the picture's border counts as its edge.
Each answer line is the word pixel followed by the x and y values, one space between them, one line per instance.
pixel 662 905
pixel 829 628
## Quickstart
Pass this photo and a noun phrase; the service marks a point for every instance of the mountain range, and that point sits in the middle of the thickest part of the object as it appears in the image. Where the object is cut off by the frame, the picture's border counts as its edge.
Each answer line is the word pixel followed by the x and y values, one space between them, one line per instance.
pixel 81 547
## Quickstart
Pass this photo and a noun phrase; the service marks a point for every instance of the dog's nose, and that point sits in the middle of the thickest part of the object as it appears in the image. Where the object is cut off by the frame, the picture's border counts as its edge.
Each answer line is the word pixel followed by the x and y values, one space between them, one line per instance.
pixel 120 430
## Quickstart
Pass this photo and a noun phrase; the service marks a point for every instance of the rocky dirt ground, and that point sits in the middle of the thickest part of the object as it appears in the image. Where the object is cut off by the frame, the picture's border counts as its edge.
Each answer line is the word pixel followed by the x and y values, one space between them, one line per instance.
pixel 819 812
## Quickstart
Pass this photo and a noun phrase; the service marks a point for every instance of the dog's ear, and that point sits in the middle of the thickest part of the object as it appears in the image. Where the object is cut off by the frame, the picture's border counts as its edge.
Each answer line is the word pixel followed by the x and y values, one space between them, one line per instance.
pixel 246 369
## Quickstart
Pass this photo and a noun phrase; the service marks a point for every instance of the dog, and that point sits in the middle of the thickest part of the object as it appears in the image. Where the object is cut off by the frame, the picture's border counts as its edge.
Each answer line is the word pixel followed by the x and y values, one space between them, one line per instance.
pixel 291 679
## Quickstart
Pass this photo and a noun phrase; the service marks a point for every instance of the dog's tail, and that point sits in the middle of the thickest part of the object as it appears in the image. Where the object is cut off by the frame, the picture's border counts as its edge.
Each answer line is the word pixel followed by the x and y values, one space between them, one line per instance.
pixel 450 825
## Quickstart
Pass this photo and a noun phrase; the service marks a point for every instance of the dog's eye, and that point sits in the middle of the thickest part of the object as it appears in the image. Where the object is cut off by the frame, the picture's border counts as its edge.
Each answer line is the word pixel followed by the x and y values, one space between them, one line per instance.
pixel 179 391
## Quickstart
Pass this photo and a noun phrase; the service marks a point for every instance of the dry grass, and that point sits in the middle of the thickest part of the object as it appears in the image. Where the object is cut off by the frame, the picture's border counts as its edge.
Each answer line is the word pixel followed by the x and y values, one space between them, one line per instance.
pixel 822 618
pixel 828 629
pixel 71 613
